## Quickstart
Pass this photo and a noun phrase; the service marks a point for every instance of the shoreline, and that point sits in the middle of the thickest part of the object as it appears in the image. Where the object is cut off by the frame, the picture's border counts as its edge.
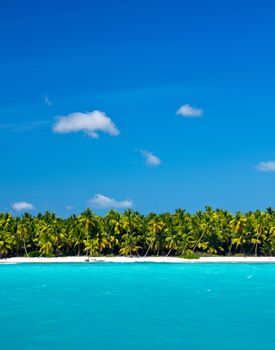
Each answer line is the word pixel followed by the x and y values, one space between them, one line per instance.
pixel 120 259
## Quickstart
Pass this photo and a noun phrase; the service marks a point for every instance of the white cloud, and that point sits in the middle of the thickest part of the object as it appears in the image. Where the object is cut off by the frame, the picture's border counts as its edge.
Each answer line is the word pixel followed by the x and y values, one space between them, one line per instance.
pixel 102 202
pixel 22 206
pixel 47 101
pixel 266 166
pixel 69 207
pixel 89 122
pixel 189 111
pixel 150 158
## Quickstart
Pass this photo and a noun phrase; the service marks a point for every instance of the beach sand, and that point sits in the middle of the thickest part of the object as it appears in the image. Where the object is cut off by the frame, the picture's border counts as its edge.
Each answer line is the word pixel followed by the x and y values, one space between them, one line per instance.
pixel 120 259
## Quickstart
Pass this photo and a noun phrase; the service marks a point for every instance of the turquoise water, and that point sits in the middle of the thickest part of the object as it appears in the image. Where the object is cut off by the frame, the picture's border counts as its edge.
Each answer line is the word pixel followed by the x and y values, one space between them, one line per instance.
pixel 137 306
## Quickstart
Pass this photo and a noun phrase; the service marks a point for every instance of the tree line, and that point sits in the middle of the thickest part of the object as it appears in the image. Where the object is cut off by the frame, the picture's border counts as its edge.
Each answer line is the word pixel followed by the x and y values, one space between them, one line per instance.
pixel 208 232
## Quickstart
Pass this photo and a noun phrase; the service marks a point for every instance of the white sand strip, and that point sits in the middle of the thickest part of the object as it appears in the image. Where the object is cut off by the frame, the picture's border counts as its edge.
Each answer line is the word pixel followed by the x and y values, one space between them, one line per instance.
pixel 119 259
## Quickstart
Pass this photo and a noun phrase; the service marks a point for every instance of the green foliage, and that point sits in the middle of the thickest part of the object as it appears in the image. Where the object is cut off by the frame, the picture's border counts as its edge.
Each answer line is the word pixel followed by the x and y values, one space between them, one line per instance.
pixel 204 233
pixel 189 255
pixel 34 254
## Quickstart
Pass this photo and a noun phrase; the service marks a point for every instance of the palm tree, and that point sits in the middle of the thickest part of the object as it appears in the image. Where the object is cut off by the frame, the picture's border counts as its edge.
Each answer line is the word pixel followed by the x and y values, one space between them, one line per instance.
pixel 173 241
pixel 45 238
pixel 129 245
pixel 76 235
pixel 87 221
pixel 215 232
pixel 238 225
pixel 107 236
pixel 154 236
pixel 91 246
pixel 22 232
pixel 7 237
pixel 131 222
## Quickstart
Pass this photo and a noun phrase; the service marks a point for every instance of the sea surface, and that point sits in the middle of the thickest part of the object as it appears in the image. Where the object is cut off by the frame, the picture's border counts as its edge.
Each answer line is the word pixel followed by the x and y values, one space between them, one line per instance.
pixel 137 306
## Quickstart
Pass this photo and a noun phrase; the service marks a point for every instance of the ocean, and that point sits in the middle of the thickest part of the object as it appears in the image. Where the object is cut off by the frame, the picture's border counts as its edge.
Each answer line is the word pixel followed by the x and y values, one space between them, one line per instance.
pixel 137 306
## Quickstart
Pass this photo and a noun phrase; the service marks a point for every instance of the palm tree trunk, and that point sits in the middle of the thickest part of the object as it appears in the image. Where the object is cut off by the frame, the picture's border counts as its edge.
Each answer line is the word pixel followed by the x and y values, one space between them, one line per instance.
pixel 230 249
pixel 256 245
pixel 169 252
pixel 197 243
pixel 25 248
pixel 149 247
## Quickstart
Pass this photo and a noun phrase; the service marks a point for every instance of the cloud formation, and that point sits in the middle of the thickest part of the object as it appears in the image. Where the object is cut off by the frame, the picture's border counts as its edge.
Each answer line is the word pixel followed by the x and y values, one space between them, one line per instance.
pixel 47 101
pixel 150 159
pixel 266 166
pixel 22 206
pixel 89 122
pixel 103 202
pixel 69 207
pixel 188 111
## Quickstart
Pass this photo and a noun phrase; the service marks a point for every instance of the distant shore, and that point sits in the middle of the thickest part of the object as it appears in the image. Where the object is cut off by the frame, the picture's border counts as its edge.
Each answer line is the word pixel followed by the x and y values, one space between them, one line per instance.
pixel 120 259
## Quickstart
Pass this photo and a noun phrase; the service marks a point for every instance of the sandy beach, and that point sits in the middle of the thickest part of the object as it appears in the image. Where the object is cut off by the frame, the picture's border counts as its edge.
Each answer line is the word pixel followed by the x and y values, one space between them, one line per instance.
pixel 120 259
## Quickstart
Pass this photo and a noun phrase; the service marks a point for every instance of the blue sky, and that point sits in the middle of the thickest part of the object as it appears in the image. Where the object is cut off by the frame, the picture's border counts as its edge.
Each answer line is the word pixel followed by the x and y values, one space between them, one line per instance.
pixel 137 63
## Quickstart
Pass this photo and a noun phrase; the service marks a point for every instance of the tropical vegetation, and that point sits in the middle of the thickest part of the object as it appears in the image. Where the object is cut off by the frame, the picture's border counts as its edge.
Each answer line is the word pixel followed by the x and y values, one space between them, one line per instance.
pixel 208 232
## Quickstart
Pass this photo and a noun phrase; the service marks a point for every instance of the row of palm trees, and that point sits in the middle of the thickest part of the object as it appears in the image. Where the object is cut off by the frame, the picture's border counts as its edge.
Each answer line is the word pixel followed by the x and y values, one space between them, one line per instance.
pixel 208 232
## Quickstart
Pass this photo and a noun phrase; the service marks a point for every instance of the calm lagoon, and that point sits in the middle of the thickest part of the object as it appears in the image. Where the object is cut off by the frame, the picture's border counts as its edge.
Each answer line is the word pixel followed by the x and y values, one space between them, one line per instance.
pixel 137 306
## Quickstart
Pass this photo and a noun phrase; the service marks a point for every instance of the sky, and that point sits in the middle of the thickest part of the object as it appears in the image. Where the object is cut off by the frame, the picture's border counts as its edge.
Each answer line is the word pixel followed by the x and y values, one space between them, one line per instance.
pixel 151 105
